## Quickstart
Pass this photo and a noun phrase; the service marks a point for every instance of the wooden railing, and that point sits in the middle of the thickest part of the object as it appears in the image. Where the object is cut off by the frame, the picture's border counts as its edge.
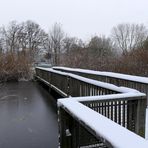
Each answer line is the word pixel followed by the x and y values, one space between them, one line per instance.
pixel 128 112
pixel 56 80
pixel 81 127
pixel 130 81
pixel 73 85
pixel 124 106
pixel 136 82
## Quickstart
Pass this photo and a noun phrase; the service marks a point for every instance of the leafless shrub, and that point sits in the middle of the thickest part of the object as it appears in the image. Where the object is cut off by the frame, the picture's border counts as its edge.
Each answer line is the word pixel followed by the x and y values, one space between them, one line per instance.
pixel 14 67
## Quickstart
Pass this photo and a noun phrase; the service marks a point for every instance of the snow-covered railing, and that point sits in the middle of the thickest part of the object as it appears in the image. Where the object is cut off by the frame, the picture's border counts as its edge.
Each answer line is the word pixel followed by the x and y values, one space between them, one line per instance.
pixel 136 82
pixel 122 105
pixel 102 73
pixel 127 109
pixel 130 81
pixel 75 85
pixel 83 127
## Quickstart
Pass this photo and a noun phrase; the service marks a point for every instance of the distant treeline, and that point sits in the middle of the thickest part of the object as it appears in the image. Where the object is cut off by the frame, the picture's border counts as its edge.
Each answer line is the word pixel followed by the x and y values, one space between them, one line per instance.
pixel 24 44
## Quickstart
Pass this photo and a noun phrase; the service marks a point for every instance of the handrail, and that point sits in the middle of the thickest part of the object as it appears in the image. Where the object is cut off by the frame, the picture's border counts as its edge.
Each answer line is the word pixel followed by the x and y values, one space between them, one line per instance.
pixel 90 81
pixel 103 73
pixel 118 79
pixel 124 96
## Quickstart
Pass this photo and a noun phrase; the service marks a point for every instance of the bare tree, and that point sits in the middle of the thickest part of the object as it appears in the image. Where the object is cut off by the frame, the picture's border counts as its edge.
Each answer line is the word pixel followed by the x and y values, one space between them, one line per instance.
pixel 72 51
pixel 1 46
pixel 68 43
pixel 56 36
pixel 27 37
pixel 20 45
pixel 128 37
pixel 9 37
pixel 72 43
pixel 33 38
pixel 100 46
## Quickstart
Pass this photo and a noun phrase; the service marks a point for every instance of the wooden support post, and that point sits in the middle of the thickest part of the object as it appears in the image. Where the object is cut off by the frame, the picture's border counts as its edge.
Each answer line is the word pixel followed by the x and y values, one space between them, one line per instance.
pixel 146 125
pixel 140 117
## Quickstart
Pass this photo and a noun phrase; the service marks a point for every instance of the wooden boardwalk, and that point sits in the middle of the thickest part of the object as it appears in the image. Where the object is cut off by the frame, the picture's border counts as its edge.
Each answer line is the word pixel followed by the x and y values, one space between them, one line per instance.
pixel 125 107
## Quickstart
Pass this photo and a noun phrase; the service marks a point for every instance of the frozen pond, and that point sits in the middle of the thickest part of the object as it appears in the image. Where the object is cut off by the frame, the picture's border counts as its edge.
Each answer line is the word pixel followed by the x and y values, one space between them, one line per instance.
pixel 28 117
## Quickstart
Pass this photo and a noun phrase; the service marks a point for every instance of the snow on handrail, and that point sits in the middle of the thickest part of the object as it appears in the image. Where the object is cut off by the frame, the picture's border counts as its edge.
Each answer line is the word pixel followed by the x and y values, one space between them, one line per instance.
pixel 116 135
pixel 91 81
pixel 108 74
pixel 129 95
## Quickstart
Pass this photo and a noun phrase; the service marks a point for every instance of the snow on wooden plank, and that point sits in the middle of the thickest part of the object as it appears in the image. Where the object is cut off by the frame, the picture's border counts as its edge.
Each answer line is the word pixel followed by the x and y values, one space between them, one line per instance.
pixel 51 70
pixel 110 131
pixel 108 74
pixel 124 96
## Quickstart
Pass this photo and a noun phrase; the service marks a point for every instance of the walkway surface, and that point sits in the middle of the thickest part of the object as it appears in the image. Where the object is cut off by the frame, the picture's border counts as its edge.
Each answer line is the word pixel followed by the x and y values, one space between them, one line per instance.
pixel 28 116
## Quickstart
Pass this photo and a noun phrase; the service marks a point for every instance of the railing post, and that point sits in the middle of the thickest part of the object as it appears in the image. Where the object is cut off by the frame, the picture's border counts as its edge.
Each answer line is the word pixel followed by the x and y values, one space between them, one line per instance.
pixel 146 116
pixel 68 86
pixel 140 117
pixel 65 135
pixel 146 124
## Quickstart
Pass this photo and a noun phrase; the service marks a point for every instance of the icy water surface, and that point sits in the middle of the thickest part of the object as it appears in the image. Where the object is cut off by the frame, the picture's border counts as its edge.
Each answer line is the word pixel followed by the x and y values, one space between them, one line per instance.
pixel 28 117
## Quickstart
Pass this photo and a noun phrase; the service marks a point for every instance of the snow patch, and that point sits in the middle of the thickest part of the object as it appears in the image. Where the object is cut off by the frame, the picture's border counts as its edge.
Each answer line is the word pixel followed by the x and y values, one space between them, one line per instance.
pixel 109 97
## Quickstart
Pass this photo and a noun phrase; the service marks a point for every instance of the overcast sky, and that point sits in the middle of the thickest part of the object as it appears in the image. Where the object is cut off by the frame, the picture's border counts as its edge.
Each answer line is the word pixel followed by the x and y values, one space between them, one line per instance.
pixel 80 18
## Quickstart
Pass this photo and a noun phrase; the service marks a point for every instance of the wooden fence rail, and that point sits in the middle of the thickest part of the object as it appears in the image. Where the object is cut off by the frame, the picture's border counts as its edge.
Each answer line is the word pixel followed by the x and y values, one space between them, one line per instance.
pixel 79 128
pixel 136 82
pixel 127 112
pixel 130 81
pixel 73 85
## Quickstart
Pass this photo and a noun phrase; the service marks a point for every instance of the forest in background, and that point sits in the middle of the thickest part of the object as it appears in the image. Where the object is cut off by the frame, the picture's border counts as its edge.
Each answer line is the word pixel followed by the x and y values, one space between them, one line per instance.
pixel 23 45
